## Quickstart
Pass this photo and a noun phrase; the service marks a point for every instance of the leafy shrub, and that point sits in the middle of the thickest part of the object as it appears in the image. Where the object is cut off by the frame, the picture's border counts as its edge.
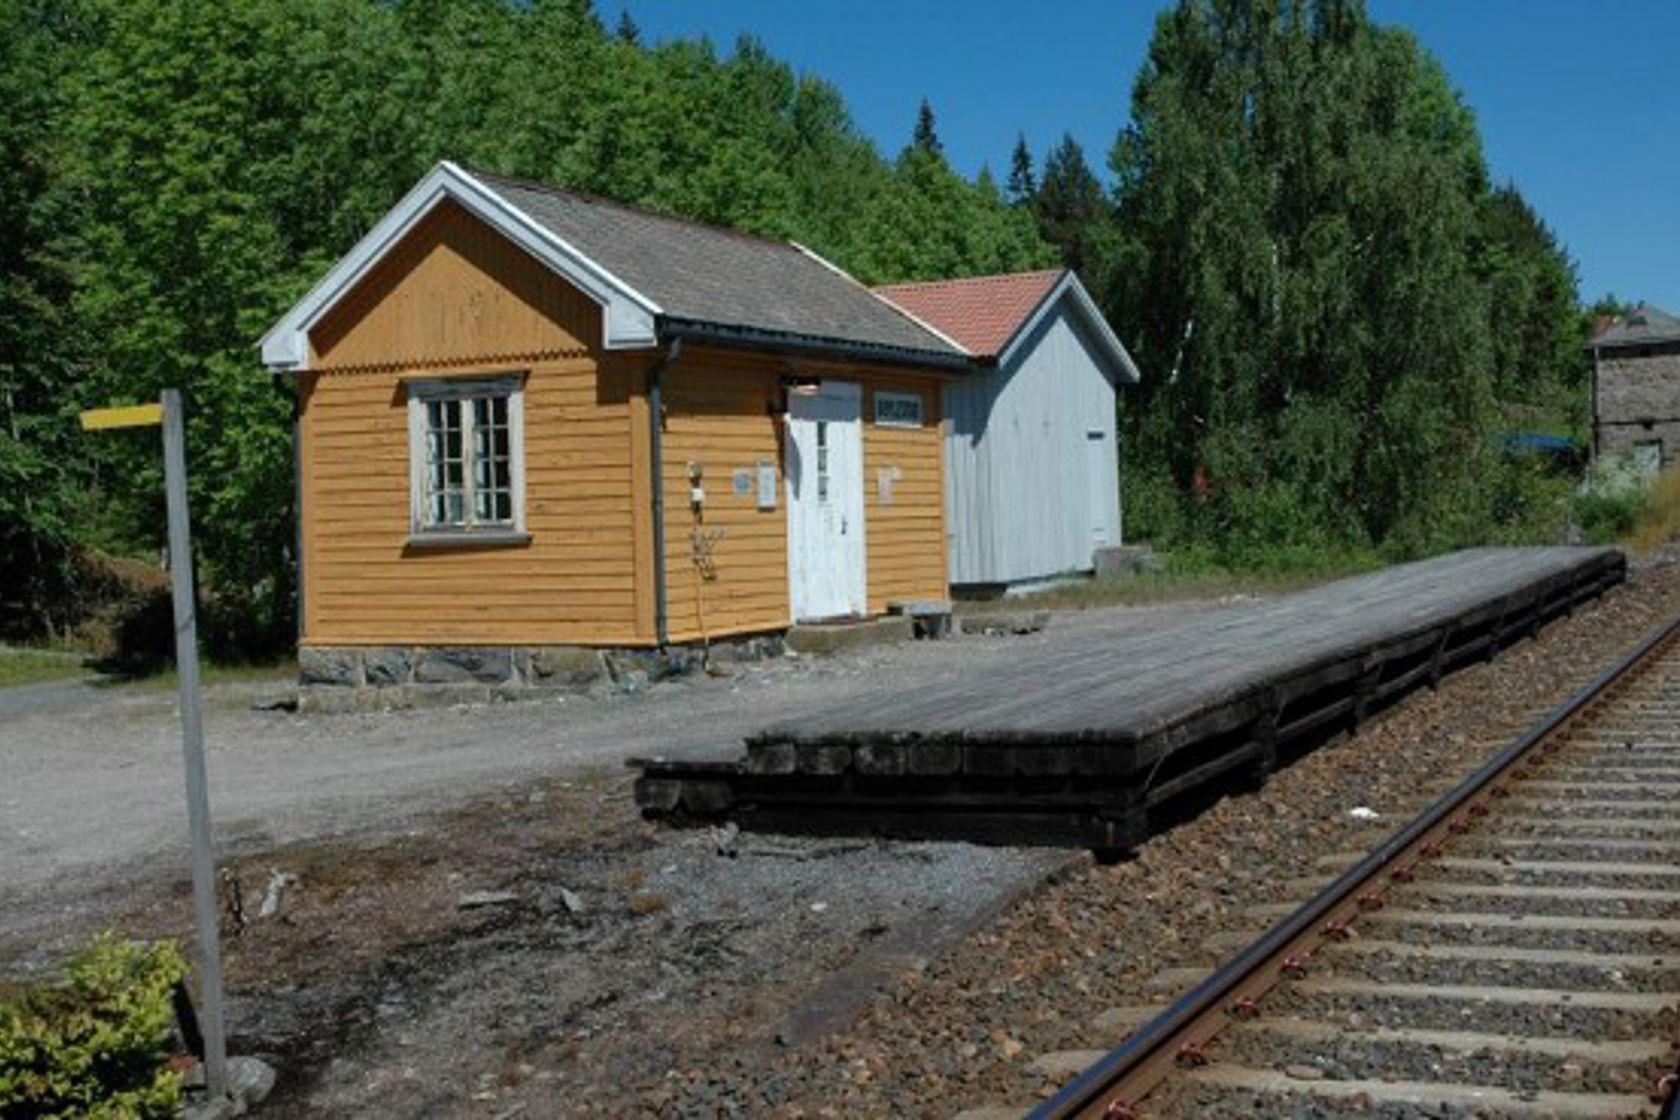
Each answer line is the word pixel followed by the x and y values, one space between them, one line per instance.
pixel 1606 516
pixel 97 1045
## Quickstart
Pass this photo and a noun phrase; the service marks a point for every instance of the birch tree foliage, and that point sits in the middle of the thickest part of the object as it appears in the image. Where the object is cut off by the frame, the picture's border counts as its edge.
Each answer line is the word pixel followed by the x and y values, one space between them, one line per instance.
pixel 1324 285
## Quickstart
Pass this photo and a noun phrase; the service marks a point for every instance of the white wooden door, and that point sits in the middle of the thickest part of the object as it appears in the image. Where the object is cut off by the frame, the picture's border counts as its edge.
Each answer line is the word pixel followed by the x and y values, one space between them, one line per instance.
pixel 824 469
pixel 1098 496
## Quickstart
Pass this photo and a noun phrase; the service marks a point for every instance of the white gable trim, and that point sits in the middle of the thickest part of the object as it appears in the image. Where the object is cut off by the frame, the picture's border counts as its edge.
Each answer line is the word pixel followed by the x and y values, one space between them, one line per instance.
pixel 1109 343
pixel 627 315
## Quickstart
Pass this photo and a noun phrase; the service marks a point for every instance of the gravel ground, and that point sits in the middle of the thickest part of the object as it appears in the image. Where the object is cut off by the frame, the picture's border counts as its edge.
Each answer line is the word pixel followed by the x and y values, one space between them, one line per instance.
pixel 794 978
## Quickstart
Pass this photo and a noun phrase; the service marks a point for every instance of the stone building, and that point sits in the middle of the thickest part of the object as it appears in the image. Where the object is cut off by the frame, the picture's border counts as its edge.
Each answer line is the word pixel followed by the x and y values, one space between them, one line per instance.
pixel 1636 389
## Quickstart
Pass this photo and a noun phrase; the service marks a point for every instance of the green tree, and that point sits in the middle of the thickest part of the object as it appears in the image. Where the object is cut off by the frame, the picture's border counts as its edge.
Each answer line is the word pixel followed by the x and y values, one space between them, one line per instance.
pixel 177 175
pixel 1304 209
pixel 1023 183
pixel 926 138
pixel 1075 214
pixel 43 471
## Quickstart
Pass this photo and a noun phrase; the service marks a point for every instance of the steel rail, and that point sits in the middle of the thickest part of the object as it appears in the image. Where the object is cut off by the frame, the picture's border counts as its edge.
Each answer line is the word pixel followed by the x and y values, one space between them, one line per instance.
pixel 1112 1088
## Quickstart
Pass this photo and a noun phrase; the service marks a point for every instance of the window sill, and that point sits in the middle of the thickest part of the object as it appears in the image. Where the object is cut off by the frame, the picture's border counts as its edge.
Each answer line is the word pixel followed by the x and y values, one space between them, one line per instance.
pixel 469 539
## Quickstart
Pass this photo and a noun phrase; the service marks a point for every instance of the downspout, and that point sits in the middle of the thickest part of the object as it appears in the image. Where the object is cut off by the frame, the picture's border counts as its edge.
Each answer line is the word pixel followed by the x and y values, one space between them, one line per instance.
pixel 297 502
pixel 656 449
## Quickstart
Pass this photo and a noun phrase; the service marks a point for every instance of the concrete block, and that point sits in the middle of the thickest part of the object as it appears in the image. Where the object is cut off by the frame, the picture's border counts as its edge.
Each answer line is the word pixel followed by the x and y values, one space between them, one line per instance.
pixel 1124 560
pixel 825 638
pixel 771 758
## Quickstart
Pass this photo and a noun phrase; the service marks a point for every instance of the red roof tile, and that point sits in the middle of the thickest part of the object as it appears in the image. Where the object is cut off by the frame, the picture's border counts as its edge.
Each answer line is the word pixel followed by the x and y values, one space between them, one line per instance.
pixel 982 312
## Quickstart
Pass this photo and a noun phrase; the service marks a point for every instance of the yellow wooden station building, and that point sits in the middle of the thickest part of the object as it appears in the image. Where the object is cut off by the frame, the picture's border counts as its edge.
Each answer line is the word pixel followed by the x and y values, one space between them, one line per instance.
pixel 531 418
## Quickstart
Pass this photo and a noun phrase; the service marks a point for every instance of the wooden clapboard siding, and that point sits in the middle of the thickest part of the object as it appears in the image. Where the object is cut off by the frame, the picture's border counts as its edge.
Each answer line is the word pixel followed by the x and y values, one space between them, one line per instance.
pixel 719 414
pixel 574 582
pixel 906 535
pixel 455 300
pixel 455 290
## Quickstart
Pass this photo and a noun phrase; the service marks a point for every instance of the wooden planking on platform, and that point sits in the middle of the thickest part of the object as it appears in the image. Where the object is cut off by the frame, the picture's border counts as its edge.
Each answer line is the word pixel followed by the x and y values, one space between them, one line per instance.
pixel 1095 734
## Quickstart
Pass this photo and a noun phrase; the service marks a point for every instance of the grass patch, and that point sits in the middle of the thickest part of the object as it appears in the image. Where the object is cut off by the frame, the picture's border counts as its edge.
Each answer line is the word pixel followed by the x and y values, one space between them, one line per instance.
pixel 1191 576
pixel 26 665
pixel 216 672
pixel 1657 520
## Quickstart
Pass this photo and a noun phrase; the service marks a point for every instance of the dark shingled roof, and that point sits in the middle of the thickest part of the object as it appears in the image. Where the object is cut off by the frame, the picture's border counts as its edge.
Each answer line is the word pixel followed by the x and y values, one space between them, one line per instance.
pixel 1644 326
pixel 719 277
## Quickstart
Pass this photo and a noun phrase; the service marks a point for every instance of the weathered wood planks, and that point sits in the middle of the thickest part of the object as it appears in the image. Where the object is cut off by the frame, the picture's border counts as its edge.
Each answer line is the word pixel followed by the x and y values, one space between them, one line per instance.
pixel 1085 743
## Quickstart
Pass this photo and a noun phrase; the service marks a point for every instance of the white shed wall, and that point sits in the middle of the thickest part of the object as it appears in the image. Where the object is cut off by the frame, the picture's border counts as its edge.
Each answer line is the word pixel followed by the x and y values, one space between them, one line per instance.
pixel 1029 493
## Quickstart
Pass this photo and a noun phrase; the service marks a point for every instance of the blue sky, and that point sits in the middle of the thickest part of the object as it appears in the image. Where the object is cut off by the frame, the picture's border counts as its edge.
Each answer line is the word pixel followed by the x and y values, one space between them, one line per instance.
pixel 1578 100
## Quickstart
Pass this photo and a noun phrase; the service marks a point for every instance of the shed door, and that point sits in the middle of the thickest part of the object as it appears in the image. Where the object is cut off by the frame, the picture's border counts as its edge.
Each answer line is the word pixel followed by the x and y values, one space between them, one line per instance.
pixel 1097 492
pixel 825 502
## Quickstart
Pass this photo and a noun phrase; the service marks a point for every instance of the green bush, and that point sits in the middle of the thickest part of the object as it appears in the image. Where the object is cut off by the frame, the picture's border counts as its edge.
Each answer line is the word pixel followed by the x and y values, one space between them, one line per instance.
pixel 96 1045
pixel 1608 515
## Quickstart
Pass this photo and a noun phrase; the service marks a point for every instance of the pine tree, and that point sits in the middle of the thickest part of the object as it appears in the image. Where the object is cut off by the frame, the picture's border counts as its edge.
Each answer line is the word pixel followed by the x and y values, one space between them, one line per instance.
pixel 1022 183
pixel 627 31
pixel 926 137
pixel 1070 204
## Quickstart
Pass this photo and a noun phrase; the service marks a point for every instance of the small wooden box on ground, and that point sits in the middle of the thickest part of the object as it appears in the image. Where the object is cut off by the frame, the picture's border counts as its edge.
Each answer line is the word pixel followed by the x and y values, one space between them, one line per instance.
pixel 1105 734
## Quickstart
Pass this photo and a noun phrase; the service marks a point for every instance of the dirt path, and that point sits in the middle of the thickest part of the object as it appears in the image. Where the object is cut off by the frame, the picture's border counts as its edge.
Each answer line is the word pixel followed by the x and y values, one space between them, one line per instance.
pixel 90 784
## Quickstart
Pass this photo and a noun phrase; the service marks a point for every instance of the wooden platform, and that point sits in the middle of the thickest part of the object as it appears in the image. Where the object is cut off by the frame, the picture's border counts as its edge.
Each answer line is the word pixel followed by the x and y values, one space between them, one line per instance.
pixel 1088 743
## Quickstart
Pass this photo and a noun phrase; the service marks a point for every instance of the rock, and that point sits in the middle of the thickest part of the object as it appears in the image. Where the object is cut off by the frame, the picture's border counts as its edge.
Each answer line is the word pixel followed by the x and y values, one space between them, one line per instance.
pixel 1060 1064
pixel 725 839
pixel 571 901
pixel 328 667
pixel 473 900
pixel 386 667
pixel 250 1080
pixel 465 665
pixel 1303 1073
pixel 746 649
pixel 1005 622
pixel 564 665
pixel 278 881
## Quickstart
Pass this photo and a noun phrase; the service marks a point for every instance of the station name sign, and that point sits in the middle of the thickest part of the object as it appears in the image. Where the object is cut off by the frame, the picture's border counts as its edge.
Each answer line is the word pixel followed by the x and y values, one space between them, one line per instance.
pixel 898 410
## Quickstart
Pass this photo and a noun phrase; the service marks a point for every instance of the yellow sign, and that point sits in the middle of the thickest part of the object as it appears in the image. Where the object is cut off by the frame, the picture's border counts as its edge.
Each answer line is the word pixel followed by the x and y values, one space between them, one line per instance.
pixel 131 416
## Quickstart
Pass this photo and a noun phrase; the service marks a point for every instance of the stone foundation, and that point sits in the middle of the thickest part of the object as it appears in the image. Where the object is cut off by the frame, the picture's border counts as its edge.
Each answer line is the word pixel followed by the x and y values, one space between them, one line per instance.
pixel 360 678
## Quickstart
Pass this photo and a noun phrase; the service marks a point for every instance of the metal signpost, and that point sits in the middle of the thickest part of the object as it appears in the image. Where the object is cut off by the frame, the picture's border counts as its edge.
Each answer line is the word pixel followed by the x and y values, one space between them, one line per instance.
pixel 168 413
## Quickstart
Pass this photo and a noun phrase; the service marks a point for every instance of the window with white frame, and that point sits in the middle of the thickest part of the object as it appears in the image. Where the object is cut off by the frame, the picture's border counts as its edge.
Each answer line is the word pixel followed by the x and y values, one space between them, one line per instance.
pixel 467 456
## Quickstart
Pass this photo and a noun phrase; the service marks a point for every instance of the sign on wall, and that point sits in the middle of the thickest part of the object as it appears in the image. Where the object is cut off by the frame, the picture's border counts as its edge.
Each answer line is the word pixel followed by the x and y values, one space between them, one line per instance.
pixel 898 410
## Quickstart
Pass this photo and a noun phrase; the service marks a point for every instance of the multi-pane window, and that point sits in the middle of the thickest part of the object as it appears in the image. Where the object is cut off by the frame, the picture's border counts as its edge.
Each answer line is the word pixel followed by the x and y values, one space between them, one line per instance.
pixel 467 469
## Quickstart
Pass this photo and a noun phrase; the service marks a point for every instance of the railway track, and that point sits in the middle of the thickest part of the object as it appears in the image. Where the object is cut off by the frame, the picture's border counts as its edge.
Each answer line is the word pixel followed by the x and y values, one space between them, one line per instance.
pixel 1514 950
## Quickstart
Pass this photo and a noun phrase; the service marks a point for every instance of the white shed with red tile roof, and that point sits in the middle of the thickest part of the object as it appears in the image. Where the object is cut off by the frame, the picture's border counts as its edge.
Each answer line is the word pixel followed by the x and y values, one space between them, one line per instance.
pixel 1032 472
